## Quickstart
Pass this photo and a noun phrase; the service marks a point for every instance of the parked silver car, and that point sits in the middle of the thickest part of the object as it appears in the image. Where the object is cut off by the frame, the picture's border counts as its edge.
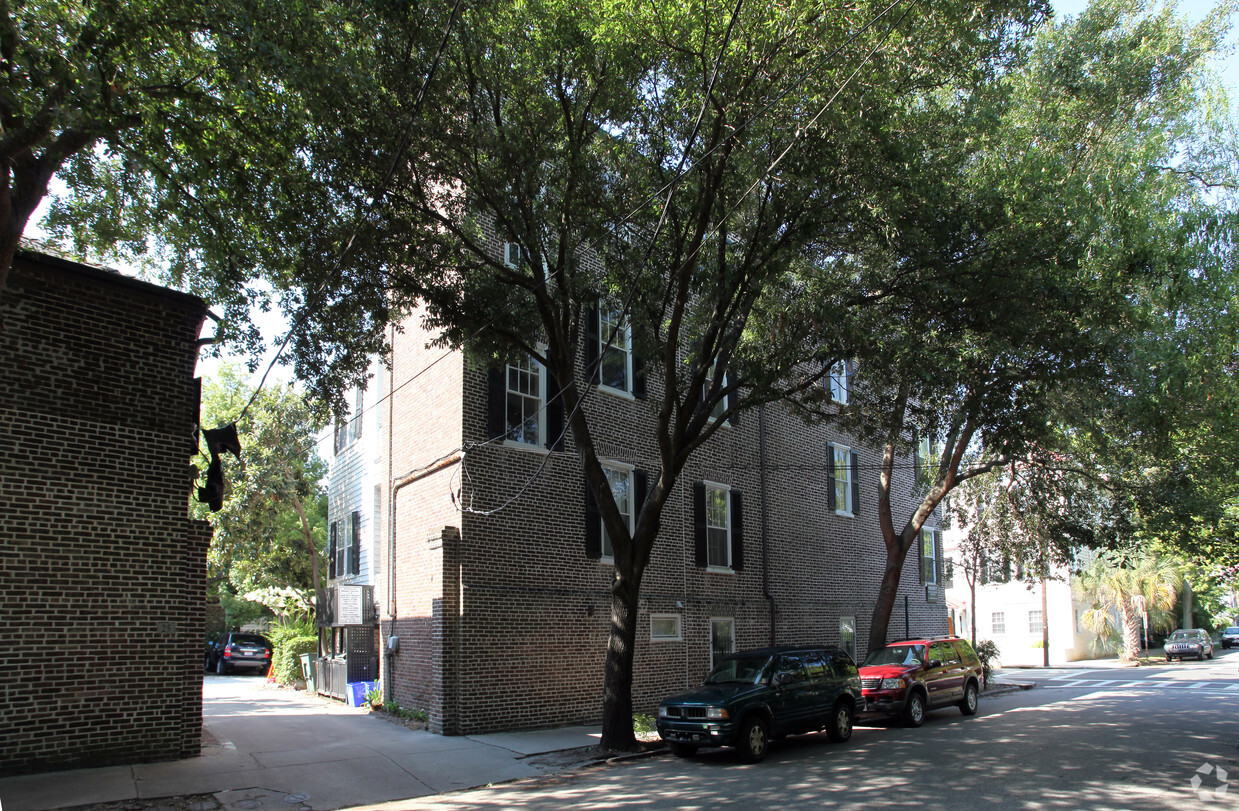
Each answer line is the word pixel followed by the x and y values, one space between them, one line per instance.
pixel 1189 642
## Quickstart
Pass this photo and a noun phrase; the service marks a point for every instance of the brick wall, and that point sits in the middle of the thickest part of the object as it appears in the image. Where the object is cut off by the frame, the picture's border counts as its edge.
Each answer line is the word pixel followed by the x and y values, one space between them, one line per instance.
pixel 503 618
pixel 101 571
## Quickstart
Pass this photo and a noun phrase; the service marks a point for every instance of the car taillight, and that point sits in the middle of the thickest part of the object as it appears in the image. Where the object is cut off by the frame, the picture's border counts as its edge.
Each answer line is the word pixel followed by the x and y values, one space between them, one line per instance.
pixel 228 652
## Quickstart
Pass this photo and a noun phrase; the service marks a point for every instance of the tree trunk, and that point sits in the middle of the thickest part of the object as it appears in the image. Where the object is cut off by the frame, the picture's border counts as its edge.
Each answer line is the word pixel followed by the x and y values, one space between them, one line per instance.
pixel 879 626
pixel 617 731
pixel 1130 650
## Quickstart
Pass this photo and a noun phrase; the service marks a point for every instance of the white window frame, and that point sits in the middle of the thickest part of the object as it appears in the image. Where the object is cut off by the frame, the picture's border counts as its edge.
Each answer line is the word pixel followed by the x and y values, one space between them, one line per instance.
pixel 842 464
pixel 715 487
pixel 840 382
pixel 1040 620
pixel 677 622
pixel 731 621
pixel 848 624
pixel 608 551
pixel 998 622
pixel 927 537
pixel 509 392
pixel 513 256
pixel 611 322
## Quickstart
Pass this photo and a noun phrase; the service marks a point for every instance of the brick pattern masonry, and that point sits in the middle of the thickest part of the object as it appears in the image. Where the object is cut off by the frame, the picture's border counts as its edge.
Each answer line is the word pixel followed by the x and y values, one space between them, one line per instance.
pixel 101 570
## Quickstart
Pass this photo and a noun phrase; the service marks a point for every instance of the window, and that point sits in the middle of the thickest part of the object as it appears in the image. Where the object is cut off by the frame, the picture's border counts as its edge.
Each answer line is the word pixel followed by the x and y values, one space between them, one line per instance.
pixel 665 628
pixel 843 489
pixel 718 527
pixel 847 635
pixel 722 639
pixel 614 350
pixel 621 488
pixel 841 382
pixel 998 622
pixel 716 413
pixel 512 255
pixel 352 555
pixel 358 412
pixel 333 543
pixel 929 556
pixel 1036 622
pixel 525 400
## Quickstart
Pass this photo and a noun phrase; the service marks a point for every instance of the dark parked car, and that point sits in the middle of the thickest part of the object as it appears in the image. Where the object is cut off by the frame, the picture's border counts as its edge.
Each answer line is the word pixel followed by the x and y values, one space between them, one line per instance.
pixel 754 696
pixel 1194 642
pixel 909 677
pixel 1230 637
pixel 235 650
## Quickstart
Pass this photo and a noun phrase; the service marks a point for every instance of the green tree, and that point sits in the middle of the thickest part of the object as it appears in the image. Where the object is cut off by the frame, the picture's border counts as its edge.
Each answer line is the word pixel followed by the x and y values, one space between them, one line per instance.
pixel 210 143
pixel 1011 287
pixel 705 171
pixel 271 534
pixel 1119 588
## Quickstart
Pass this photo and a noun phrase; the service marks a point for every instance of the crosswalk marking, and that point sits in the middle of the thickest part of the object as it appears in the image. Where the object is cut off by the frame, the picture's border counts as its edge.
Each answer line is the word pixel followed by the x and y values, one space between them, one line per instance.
pixel 1114 684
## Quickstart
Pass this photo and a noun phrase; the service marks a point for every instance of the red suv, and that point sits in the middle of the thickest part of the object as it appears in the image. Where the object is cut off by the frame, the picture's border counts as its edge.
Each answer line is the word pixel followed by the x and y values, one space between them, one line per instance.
pixel 909 677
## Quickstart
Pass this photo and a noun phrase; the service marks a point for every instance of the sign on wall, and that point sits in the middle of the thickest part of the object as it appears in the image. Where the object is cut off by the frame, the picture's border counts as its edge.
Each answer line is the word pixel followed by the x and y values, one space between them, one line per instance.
pixel 351 605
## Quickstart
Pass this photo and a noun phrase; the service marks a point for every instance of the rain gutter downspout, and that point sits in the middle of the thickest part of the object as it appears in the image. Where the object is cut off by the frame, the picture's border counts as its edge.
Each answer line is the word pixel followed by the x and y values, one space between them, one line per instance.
pixel 765 536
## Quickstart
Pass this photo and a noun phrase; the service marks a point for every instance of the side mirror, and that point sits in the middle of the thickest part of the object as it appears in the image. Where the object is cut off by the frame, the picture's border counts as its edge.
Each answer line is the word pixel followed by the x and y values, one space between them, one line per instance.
pixel 933 663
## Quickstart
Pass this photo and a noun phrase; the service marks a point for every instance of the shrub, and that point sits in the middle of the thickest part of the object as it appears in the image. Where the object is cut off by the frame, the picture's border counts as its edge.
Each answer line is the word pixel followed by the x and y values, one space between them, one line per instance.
pixel 291 639
pixel 987 652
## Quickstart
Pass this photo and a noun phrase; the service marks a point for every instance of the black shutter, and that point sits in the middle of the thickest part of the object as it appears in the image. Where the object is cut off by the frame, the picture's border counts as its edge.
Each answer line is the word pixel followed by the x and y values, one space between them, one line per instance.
pixel 855 483
pixel 638 376
pixel 354 552
pixel 699 524
pixel 732 397
pixel 640 488
pixel 554 413
pixel 333 539
pixel 920 557
pixel 593 525
pixel 496 403
pixel 830 477
pixel 938 561
pixel 916 458
pixel 592 341
pixel 737 530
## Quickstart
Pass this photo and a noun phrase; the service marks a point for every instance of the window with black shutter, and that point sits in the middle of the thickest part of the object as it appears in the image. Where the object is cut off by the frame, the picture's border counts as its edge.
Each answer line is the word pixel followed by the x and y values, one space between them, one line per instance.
pixel 354 552
pixel 333 539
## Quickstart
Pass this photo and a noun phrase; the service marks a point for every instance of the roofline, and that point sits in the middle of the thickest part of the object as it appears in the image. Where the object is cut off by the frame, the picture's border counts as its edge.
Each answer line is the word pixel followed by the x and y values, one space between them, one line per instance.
pixel 112 276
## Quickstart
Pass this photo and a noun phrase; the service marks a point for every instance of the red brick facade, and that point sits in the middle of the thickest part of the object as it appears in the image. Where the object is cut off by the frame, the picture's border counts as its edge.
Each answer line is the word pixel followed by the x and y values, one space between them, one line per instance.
pixel 503 618
pixel 101 571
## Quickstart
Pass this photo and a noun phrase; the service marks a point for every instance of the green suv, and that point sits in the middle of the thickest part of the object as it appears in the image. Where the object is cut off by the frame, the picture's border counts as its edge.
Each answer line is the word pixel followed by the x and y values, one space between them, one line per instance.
pixel 757 695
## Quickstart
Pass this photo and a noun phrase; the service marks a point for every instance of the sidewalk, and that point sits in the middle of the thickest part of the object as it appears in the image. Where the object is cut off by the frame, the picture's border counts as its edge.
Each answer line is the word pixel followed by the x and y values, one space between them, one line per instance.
pixel 1153 657
pixel 287 750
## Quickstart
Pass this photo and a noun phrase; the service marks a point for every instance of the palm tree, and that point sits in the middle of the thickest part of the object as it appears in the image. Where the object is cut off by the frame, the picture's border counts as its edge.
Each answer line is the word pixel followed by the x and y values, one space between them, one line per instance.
pixel 1115 583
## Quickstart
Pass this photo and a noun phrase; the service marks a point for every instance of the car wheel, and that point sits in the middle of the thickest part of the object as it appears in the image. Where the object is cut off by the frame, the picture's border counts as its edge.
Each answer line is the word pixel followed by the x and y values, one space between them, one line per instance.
pixel 682 749
pixel 914 712
pixel 1209 655
pixel 839 729
pixel 968 706
pixel 1169 658
pixel 220 667
pixel 754 739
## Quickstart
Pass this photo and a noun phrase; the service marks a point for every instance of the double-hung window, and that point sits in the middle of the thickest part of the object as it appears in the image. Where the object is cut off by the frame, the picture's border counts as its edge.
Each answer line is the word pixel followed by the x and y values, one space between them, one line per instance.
pixel 843 470
pixel 614 350
pixel 716 413
pixel 525 400
pixel 998 622
pixel 1036 622
pixel 718 526
pixel 929 556
pixel 841 382
pixel 621 480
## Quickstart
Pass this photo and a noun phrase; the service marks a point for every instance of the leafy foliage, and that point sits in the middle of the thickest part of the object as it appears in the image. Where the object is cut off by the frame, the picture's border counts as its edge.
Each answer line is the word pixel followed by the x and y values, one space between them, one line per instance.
pixel 272 530
pixel 1119 588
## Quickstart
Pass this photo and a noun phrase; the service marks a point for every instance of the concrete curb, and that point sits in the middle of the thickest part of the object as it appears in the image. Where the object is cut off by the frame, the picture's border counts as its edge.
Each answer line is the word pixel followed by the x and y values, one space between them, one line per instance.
pixel 1006 688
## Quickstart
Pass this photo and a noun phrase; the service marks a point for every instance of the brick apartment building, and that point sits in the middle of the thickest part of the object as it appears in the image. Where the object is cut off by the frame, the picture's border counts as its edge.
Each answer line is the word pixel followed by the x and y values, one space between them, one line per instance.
pixel 495 578
pixel 101 570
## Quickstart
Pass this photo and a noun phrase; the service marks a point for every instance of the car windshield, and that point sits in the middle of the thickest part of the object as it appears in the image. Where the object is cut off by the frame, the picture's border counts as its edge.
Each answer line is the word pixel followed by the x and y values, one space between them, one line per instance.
pixel 1233 629
pixel 896 655
pixel 1183 636
pixel 743 669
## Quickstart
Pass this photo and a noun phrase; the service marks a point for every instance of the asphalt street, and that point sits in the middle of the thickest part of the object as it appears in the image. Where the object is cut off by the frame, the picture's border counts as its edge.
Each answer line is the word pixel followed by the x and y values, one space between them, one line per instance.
pixel 1164 737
